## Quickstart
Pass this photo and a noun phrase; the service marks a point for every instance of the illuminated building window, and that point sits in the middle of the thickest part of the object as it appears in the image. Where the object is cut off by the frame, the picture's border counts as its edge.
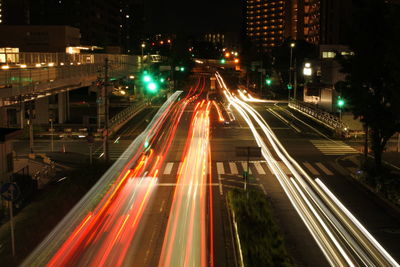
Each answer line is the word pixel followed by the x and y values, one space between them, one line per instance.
pixel 328 54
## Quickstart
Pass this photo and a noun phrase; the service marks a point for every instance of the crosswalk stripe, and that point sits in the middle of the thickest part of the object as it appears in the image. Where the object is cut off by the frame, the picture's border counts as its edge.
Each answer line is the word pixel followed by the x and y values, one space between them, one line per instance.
pixel 244 165
pixel 168 168
pixel 259 169
pixel 333 147
pixel 233 168
pixel 339 168
pixel 323 168
pixel 220 168
pixel 284 168
pixel 311 168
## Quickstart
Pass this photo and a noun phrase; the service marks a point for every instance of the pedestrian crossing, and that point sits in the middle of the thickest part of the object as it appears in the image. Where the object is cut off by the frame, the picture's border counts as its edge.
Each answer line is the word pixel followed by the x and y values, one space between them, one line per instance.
pixel 329 147
pixel 236 168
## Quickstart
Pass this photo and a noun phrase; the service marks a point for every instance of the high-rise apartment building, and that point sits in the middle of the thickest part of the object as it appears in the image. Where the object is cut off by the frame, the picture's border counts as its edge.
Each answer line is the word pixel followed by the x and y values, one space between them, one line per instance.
pixel 266 22
pixel 269 22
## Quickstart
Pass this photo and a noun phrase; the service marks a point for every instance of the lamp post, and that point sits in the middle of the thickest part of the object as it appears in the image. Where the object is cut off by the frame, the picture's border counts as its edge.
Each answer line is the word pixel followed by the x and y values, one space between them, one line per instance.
pixel 292 45
pixel 143 46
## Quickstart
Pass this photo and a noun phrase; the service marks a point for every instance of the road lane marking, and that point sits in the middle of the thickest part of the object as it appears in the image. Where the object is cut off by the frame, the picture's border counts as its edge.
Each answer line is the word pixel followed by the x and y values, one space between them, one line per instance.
pixel 284 168
pixel 259 169
pixel 168 168
pixel 311 168
pixel 220 168
pixel 323 168
pixel 273 112
pixel 244 165
pixel 233 168
pixel 162 205
pixel 339 168
pixel 221 192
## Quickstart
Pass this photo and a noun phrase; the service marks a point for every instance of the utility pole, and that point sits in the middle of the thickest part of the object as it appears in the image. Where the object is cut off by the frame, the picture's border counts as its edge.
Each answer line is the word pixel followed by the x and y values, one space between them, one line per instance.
pixel 295 79
pixel 31 126
pixel 105 99
pixel 52 132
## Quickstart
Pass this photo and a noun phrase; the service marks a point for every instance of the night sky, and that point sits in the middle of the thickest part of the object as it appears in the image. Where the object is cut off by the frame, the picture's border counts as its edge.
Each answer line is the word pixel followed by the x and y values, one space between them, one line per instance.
pixel 193 16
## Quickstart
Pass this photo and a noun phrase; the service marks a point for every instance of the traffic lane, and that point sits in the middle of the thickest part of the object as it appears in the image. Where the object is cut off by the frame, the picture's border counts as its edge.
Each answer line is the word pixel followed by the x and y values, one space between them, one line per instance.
pixel 297 144
pixel 279 117
pixel 382 221
pixel 146 249
pixel 298 239
pixel 224 139
pixel 136 125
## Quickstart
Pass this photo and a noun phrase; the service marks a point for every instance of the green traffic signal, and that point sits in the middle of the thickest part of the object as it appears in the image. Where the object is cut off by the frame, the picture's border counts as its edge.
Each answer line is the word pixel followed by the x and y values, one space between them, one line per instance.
pixel 152 87
pixel 268 81
pixel 290 86
pixel 223 61
pixel 340 103
pixel 182 68
pixel 162 79
pixel 146 78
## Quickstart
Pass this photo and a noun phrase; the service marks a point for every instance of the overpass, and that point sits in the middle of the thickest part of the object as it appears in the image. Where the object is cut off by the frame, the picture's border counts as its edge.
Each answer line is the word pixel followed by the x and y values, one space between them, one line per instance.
pixel 28 79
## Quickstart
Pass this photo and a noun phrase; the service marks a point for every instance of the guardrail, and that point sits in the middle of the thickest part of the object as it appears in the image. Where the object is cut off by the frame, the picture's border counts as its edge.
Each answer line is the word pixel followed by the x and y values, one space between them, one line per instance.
pixel 116 122
pixel 330 120
pixel 38 73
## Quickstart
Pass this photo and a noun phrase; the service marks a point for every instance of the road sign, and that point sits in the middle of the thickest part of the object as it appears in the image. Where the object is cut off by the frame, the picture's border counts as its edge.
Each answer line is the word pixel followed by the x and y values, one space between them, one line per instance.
pixel 10 192
pixel 164 68
pixel 248 151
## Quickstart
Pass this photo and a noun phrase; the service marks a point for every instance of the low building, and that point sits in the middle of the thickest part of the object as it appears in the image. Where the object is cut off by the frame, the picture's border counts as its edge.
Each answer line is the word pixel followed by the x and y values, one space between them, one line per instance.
pixel 6 153
pixel 319 88
pixel 39 38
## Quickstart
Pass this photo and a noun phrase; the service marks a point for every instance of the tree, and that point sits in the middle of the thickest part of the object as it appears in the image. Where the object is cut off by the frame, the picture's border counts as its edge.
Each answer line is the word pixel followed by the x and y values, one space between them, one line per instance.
pixel 372 83
pixel 281 62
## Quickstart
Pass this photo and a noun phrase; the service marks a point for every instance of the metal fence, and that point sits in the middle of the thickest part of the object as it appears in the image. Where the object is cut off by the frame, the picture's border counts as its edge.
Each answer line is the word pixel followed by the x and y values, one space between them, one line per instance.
pixel 119 119
pixel 330 120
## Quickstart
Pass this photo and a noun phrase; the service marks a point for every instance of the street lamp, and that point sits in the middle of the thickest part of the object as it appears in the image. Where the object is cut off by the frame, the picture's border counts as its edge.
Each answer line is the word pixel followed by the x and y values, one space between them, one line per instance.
pixel 143 46
pixel 292 45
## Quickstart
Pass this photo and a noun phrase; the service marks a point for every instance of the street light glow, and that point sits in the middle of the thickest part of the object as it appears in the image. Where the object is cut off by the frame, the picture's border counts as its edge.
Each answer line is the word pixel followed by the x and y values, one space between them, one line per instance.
pixel 292 45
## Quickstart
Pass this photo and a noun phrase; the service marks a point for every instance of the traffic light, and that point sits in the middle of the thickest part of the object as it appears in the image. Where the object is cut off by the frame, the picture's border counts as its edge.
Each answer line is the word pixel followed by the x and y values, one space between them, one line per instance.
pixel 340 102
pixel 268 81
pixel 289 86
pixel 152 87
pixel 182 68
pixel 162 79
pixel 147 78
pixel 223 61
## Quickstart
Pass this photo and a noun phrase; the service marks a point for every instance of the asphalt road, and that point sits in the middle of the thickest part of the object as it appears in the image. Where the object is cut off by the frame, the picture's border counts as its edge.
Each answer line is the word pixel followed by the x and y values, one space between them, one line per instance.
pixel 330 160
pixel 163 207
pixel 326 158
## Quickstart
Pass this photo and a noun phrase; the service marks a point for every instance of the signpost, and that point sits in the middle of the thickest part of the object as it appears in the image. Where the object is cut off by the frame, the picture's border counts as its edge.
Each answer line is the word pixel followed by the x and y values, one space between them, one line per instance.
pixel 90 140
pixel 248 151
pixel 10 192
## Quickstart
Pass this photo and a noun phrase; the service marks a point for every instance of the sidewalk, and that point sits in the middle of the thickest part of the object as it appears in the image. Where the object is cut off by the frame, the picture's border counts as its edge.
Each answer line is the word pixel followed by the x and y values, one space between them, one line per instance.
pixel 353 164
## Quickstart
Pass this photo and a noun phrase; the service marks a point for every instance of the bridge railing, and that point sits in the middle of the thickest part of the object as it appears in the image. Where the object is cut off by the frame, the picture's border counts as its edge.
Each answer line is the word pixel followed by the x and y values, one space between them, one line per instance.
pixel 35 72
pixel 328 119
pixel 125 115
